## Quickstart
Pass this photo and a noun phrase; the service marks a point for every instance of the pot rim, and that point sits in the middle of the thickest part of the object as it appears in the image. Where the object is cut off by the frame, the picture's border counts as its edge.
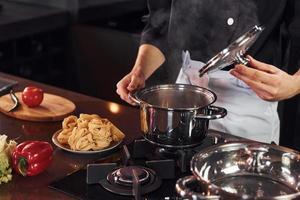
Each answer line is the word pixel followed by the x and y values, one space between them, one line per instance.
pixel 246 142
pixel 138 93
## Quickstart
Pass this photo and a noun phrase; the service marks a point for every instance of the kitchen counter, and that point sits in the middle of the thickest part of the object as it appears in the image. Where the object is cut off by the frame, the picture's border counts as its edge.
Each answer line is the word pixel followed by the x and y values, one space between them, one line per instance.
pixel 67 171
pixel 125 118
pixel 64 163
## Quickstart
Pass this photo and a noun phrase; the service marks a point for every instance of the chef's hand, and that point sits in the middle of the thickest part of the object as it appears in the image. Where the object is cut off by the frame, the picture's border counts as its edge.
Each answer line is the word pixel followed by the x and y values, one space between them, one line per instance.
pixel 132 81
pixel 267 81
pixel 149 58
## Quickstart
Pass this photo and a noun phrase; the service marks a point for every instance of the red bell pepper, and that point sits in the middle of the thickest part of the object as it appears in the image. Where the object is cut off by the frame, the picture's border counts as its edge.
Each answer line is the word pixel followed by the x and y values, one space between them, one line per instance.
pixel 32 157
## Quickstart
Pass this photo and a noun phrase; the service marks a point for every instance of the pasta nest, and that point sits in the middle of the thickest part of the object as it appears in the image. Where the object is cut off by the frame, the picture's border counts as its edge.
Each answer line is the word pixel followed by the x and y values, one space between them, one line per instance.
pixel 88 132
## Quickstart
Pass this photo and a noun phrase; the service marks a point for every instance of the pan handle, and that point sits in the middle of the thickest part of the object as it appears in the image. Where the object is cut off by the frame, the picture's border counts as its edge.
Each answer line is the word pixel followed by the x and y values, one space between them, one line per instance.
pixel 215 112
pixel 134 99
pixel 183 190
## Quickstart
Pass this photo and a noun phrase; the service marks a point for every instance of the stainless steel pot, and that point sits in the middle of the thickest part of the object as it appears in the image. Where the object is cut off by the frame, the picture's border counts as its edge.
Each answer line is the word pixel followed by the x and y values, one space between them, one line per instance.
pixel 176 115
pixel 243 170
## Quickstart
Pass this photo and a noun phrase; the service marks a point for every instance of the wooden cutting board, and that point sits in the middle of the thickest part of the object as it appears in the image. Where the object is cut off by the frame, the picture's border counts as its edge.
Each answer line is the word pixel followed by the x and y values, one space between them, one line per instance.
pixel 52 108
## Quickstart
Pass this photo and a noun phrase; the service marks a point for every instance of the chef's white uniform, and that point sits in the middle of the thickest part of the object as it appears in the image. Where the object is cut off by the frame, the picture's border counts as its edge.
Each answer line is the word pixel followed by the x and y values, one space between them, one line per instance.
pixel 248 116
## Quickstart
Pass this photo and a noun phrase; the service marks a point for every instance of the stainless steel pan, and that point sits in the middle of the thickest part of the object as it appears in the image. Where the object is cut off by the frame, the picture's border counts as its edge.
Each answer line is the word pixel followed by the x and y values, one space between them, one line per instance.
pixel 244 170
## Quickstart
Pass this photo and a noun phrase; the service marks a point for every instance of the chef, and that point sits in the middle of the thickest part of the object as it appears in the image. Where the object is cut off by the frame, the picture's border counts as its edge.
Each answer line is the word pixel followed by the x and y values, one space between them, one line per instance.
pixel 202 28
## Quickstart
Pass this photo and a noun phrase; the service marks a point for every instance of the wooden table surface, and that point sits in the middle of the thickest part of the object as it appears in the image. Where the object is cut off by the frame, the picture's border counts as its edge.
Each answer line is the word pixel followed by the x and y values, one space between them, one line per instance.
pixel 36 188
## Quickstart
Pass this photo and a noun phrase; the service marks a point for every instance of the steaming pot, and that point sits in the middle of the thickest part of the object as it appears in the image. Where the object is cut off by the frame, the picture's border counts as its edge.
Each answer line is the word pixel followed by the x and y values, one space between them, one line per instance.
pixel 176 115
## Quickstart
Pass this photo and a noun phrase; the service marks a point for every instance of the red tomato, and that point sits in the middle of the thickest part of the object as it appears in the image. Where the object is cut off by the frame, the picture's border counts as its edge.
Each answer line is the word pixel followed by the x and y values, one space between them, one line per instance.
pixel 32 96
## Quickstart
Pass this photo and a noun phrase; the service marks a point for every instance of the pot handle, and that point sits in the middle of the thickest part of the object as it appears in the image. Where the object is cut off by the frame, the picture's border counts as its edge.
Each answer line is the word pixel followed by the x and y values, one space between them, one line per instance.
pixel 134 99
pixel 215 113
pixel 183 190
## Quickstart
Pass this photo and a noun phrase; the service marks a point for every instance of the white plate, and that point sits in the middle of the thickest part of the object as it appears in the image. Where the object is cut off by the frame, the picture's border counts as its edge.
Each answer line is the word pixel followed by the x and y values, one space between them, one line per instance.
pixel 67 148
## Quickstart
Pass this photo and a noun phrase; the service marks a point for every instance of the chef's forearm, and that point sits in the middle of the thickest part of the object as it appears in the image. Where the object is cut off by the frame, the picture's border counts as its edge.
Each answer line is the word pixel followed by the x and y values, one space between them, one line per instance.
pixel 149 58
pixel 297 82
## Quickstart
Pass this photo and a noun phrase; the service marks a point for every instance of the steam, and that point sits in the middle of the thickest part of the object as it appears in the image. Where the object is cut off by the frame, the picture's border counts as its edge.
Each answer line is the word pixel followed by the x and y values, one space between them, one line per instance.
pixel 200 26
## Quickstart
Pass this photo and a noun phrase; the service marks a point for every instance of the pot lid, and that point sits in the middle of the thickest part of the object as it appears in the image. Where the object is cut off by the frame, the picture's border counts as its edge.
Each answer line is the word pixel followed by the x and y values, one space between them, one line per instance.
pixel 234 53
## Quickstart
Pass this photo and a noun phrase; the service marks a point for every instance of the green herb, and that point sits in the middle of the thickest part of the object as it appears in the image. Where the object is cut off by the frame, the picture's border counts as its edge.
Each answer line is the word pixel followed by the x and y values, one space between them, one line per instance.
pixel 6 149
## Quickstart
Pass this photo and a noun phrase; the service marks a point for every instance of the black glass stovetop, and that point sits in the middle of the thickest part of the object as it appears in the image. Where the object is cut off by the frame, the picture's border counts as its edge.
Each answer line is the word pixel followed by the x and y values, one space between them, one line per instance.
pixel 171 166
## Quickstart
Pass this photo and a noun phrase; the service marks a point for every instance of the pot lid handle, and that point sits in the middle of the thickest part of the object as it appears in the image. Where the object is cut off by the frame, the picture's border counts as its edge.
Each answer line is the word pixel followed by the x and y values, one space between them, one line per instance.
pixel 214 112
pixel 234 53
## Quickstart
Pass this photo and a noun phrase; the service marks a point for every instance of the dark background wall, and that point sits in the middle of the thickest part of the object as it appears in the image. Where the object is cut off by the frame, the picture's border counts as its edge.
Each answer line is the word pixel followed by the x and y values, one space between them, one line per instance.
pixel 104 51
